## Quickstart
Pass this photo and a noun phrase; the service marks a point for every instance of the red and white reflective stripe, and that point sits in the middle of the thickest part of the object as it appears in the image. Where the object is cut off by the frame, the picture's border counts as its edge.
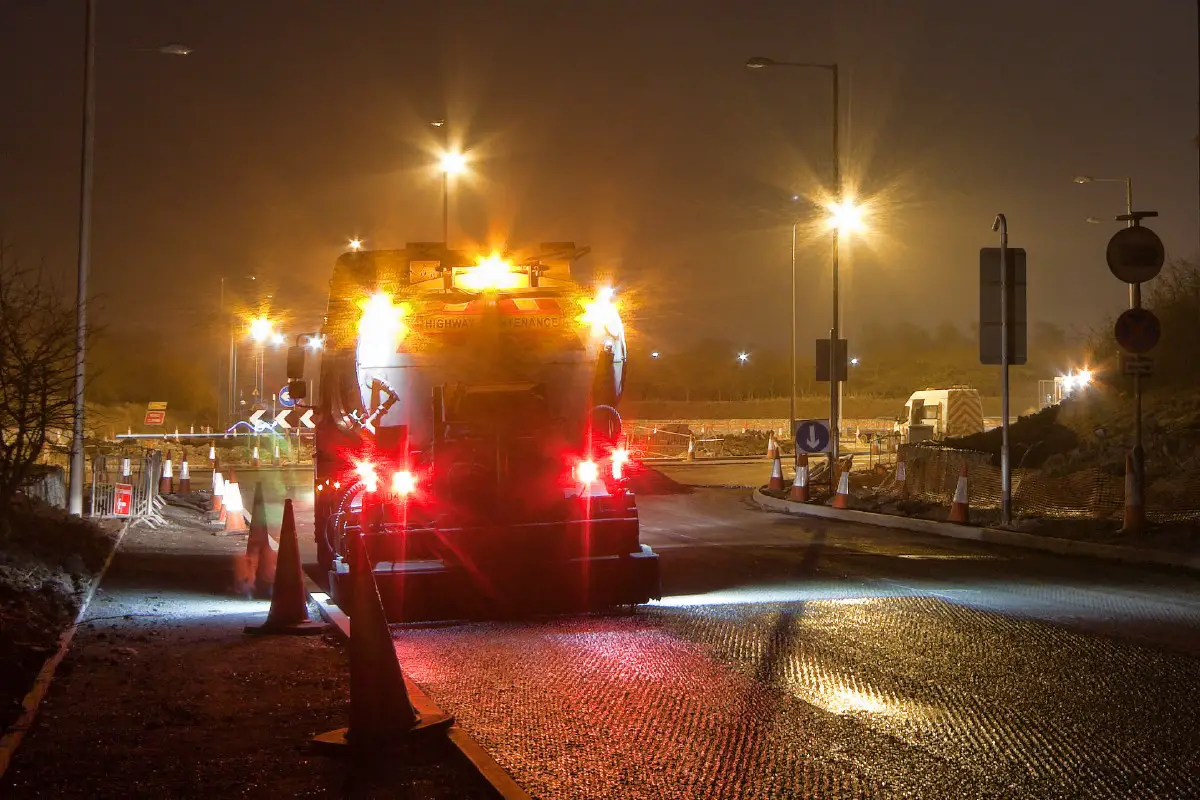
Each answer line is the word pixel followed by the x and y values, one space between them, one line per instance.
pixel 529 305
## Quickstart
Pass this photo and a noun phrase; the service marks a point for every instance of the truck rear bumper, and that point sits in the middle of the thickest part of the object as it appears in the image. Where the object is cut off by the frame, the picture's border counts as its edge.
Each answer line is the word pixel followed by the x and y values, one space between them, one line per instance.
pixel 521 570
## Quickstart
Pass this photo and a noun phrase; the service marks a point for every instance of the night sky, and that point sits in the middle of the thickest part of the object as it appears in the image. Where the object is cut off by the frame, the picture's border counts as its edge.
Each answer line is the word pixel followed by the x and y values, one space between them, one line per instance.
pixel 628 125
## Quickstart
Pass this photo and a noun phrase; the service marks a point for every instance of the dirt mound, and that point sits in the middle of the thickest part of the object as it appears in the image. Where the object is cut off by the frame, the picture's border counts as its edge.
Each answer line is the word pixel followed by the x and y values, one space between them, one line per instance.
pixel 1032 439
pixel 47 561
pixel 649 481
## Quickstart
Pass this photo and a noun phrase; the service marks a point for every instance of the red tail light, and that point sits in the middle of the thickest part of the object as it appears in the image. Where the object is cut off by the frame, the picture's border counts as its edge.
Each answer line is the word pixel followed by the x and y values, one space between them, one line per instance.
pixel 368 476
pixel 404 483
pixel 587 471
pixel 620 457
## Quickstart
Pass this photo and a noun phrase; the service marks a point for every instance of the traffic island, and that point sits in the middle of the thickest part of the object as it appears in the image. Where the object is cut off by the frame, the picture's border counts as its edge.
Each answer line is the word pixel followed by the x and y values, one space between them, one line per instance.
pixel 1032 541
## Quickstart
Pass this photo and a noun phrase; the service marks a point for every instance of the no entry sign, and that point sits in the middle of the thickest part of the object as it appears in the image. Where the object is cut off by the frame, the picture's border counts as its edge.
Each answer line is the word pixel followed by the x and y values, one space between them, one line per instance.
pixel 1137 329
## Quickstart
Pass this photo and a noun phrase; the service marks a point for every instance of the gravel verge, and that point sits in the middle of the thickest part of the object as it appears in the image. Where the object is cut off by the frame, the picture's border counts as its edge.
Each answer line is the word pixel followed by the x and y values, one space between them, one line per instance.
pixel 163 695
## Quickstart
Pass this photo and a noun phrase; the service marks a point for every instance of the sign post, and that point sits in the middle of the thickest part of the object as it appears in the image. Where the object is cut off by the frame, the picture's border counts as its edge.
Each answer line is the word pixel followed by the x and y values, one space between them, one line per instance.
pixel 1002 316
pixel 1136 255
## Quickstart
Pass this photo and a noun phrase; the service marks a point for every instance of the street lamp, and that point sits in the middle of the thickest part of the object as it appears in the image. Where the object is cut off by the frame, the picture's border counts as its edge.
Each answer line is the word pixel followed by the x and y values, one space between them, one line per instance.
pixel 1134 289
pixel 840 220
pixel 743 357
pixel 356 244
pixel 450 162
pixel 87 136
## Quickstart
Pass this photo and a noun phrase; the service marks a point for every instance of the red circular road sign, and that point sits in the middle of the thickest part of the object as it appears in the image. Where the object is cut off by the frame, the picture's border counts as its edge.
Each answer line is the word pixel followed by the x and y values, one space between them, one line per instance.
pixel 1137 330
pixel 1135 255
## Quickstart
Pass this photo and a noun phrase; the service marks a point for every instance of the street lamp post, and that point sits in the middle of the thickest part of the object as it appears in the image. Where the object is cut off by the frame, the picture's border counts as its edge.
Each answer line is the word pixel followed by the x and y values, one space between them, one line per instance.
pixel 1135 301
pixel 760 62
pixel 792 390
pixel 83 265
pixel 1135 290
pixel 441 123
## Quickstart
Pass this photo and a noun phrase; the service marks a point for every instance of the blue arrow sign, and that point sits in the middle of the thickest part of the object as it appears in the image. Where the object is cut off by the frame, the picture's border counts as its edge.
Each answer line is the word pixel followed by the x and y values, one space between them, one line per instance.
pixel 812 436
pixel 285 398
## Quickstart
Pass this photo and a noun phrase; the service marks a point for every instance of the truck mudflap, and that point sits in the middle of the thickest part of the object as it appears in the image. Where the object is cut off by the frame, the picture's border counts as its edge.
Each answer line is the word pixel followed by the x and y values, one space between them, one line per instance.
pixel 565 573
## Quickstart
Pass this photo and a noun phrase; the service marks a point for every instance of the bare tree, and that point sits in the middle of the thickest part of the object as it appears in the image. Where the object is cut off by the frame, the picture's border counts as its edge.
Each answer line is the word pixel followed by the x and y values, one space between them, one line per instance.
pixel 37 369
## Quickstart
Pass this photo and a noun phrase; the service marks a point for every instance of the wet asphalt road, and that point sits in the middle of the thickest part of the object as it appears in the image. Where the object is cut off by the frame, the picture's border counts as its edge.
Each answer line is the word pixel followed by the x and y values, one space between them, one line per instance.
pixel 797 658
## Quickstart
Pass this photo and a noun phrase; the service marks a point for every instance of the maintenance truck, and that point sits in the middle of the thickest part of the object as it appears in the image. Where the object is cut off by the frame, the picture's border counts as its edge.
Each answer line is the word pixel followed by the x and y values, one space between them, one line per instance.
pixel 467 427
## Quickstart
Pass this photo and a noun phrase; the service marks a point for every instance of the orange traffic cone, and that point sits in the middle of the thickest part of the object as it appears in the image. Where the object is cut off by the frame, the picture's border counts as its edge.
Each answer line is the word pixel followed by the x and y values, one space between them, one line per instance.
pixel 691 453
pixel 799 491
pixel 260 547
pixel 166 483
pixel 218 487
pixel 212 453
pixel 959 509
pixel 775 484
pixel 1135 509
pixel 772 447
pixel 231 496
pixel 381 714
pixel 289 604
pixel 901 475
pixel 185 476
pixel 842 498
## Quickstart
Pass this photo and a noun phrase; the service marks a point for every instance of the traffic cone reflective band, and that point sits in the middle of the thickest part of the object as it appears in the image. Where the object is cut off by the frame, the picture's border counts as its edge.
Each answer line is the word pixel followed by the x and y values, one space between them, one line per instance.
pixel 799 491
pixel 166 483
pixel 277 454
pixel 959 510
pixel 235 517
pixel 289 604
pixel 185 476
pixel 1135 509
pixel 691 453
pixel 772 446
pixel 842 498
pixel 260 547
pixel 212 452
pixel 218 488
pixel 901 475
pixel 775 484
pixel 381 714
pixel 256 455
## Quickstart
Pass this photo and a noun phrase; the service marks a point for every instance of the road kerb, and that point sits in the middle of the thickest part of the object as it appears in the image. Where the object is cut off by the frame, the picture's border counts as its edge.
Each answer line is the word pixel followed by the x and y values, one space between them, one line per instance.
pixel 1049 544
pixel 41 684
pixel 492 773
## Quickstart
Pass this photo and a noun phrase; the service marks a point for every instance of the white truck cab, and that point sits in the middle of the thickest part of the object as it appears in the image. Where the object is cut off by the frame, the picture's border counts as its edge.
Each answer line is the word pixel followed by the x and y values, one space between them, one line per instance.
pixel 932 414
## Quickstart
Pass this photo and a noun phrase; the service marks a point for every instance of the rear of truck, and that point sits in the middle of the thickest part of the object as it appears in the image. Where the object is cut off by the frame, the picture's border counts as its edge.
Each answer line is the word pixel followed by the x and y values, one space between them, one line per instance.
pixel 467 428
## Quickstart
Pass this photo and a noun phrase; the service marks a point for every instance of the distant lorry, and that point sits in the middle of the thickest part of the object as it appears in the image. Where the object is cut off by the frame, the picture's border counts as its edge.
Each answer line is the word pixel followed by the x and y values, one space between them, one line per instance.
pixel 466 427
pixel 932 414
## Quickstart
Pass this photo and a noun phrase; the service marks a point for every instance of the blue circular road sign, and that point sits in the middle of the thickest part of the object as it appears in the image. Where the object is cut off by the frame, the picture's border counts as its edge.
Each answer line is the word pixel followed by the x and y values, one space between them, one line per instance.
pixel 812 436
pixel 285 398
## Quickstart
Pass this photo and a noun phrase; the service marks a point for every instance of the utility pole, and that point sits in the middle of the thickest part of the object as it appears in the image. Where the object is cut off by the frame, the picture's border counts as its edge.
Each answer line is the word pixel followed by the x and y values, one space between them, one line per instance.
pixel 75 477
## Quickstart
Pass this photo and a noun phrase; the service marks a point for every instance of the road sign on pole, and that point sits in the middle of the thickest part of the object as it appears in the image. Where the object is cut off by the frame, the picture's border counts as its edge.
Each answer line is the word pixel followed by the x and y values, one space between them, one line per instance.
pixel 840 360
pixel 1137 329
pixel 1135 364
pixel 1135 255
pixel 990 320
pixel 285 397
pixel 812 436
